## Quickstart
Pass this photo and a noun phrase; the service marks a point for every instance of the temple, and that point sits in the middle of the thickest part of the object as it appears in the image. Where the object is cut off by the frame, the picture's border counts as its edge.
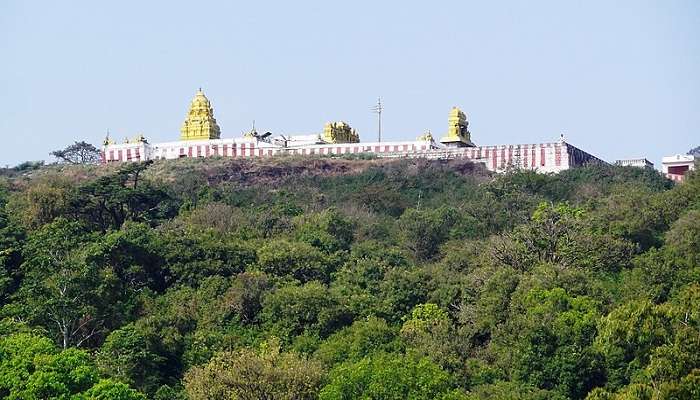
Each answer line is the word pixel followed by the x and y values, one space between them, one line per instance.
pixel 200 123
pixel 200 136
pixel 339 132
pixel 457 133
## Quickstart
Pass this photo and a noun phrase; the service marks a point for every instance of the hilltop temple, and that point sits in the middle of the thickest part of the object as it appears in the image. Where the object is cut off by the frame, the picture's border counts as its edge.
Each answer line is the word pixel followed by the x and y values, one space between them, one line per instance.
pixel 200 136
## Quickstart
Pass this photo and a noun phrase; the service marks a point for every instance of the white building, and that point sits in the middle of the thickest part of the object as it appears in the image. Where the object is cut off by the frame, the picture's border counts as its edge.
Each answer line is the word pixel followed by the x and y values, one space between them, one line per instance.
pixel 675 167
pixel 635 162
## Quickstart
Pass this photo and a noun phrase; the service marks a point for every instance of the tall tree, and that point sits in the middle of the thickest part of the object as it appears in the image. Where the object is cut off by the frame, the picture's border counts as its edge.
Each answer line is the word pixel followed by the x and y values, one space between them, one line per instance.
pixel 60 291
pixel 267 374
pixel 78 153
pixel 110 200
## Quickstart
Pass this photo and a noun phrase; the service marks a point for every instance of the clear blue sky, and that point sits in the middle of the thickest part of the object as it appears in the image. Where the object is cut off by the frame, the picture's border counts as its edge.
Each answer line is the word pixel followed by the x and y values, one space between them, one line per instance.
pixel 620 78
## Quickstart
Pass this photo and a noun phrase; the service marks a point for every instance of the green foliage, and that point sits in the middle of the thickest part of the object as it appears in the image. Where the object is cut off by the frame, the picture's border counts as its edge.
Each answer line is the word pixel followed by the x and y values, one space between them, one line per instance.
pixel 559 234
pixel 107 389
pixel 381 278
pixel 328 231
pixel 553 341
pixel 646 344
pixel 423 231
pixel 297 260
pixel 430 333
pixel 388 376
pixel 186 326
pixel 366 281
pixel 126 356
pixel 361 339
pixel 63 292
pixel 244 296
pixel 11 242
pixel 247 374
pixel 109 201
pixel 192 256
pixel 17 360
pixel 43 200
pixel 32 368
pixel 512 391
pixel 310 309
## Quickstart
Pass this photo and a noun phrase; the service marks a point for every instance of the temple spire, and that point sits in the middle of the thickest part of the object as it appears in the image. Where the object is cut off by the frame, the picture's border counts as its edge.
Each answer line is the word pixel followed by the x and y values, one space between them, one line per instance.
pixel 200 123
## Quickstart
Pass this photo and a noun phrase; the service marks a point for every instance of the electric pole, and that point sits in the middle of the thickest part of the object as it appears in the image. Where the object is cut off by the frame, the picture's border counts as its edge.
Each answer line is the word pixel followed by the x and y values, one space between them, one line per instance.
pixel 377 109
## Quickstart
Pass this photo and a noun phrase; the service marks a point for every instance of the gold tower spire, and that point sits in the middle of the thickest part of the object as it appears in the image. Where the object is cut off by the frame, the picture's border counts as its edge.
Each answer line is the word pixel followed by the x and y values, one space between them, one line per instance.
pixel 458 134
pixel 200 123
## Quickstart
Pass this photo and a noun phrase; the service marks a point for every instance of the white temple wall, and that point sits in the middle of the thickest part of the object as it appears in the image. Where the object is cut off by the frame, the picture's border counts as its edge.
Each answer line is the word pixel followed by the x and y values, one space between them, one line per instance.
pixel 247 148
pixel 542 157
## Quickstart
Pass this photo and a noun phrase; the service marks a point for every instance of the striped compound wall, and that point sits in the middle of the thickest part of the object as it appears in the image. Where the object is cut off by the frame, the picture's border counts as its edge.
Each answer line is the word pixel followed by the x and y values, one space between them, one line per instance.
pixel 542 157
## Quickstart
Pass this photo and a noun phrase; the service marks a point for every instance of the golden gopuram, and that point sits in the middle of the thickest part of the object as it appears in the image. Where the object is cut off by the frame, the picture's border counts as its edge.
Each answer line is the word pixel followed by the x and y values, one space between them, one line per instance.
pixel 339 132
pixel 457 134
pixel 200 123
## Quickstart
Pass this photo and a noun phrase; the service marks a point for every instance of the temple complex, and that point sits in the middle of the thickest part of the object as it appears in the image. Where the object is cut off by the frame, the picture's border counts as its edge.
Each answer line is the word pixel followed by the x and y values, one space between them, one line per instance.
pixel 200 136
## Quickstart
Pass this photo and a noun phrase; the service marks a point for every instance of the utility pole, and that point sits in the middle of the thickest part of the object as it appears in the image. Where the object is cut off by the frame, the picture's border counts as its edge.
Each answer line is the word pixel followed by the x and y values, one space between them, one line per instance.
pixel 377 109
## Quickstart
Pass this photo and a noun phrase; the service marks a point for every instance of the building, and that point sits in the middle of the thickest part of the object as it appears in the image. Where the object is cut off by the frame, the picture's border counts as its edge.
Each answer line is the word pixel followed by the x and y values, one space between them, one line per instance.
pixel 635 162
pixel 200 136
pixel 675 167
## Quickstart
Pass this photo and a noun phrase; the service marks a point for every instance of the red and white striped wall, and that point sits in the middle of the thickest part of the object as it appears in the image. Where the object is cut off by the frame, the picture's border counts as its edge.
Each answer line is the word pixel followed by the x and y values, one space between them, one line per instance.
pixel 248 148
pixel 542 157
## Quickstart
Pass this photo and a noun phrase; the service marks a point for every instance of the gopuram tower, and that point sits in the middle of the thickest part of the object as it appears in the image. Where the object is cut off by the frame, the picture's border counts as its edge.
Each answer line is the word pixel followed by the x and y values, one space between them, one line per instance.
pixel 458 134
pixel 200 123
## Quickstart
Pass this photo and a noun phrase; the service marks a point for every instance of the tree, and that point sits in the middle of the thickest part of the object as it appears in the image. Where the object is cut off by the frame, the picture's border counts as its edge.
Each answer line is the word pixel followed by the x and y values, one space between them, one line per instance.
pixel 60 290
pixel 31 367
pixel 11 242
pixel 653 349
pixel 107 389
pixel 388 377
pixel 504 390
pixel 627 337
pixel 683 239
pixel 558 234
pixel 78 153
pixel 362 338
pixel 44 199
pixel 550 343
pixel 423 231
pixel 17 354
pixel 297 260
pixel 126 356
pixel 135 254
pixel 360 279
pixel 244 296
pixel 311 309
pixel 191 256
pixel 109 201
pixel 429 333
pixel 329 231
pixel 266 374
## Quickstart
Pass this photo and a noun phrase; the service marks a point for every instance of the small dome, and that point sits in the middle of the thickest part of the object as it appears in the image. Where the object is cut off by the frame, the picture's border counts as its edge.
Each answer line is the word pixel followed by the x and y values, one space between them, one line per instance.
pixel 200 97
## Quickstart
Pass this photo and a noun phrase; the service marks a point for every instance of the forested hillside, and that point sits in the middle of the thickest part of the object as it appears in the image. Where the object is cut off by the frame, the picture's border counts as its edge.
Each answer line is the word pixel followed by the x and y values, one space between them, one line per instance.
pixel 347 279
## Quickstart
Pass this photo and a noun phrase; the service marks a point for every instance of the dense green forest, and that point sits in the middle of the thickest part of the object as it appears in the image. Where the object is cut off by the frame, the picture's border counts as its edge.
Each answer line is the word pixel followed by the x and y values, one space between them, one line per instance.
pixel 324 278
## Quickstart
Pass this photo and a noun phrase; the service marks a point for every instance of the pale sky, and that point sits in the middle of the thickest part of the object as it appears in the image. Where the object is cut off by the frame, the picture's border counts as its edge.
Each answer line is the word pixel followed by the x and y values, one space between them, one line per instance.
pixel 620 78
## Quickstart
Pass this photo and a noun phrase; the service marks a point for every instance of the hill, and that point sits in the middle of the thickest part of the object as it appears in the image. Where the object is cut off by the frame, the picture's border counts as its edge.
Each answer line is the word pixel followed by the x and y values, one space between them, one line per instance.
pixel 305 278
